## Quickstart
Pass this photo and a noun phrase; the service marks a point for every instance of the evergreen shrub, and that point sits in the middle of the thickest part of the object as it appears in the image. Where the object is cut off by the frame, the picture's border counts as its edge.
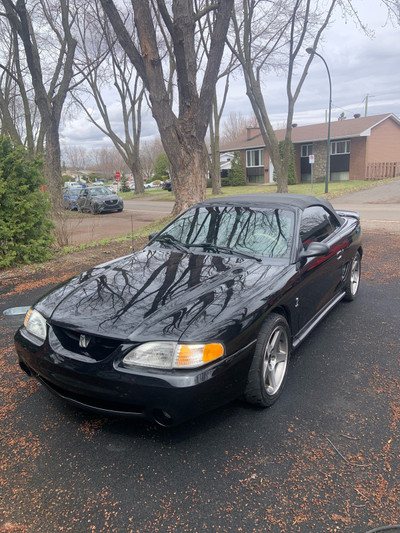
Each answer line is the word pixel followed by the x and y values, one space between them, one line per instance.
pixel 25 227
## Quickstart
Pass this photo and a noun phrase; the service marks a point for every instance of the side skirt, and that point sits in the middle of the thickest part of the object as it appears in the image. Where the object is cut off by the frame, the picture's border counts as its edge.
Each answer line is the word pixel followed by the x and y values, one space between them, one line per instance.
pixel 302 334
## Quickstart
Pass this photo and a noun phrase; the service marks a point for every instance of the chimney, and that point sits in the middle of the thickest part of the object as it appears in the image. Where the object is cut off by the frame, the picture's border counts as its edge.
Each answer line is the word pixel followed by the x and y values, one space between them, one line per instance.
pixel 294 125
pixel 252 132
pixel 357 115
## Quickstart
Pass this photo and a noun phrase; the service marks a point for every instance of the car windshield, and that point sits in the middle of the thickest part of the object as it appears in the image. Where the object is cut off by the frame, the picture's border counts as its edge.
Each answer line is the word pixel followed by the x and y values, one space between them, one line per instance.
pixel 260 232
pixel 100 191
pixel 74 192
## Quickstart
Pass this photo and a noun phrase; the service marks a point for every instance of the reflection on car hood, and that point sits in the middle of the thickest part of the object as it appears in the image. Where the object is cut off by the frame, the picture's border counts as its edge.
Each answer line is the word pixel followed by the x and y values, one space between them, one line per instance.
pixel 159 294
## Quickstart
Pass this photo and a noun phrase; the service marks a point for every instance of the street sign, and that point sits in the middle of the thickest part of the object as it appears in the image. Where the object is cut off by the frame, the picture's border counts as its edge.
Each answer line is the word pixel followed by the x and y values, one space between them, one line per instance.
pixel 311 159
pixel 118 176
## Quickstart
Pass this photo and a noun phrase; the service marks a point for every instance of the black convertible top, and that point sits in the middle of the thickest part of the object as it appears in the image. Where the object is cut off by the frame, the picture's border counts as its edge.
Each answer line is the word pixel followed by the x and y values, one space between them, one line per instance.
pixel 299 201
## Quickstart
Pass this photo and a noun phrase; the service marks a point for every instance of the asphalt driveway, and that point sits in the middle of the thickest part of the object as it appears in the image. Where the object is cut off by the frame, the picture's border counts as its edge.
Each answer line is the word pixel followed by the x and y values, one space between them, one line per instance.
pixel 324 458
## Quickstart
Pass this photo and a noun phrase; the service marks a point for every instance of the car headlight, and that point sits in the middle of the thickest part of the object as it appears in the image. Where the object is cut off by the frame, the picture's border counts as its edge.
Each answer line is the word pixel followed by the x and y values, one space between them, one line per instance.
pixel 173 355
pixel 35 323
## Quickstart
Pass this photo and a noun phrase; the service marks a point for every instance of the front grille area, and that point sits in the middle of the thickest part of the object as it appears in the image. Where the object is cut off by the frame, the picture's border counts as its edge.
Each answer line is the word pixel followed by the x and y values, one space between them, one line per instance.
pixel 97 348
pixel 111 202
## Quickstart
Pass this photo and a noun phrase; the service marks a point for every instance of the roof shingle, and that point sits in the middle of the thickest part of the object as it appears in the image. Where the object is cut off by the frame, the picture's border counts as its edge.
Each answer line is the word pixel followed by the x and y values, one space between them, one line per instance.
pixel 340 129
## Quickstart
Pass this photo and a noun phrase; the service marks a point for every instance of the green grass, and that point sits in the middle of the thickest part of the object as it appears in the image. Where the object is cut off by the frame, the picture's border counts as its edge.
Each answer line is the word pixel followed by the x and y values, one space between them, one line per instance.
pixel 335 189
pixel 148 192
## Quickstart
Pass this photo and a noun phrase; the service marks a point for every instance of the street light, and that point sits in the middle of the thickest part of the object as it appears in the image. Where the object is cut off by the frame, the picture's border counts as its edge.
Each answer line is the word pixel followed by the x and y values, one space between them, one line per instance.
pixel 328 144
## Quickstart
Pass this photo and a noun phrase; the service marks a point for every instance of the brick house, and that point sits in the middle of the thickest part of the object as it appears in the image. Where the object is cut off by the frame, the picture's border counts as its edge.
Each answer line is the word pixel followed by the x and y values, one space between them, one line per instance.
pixel 361 148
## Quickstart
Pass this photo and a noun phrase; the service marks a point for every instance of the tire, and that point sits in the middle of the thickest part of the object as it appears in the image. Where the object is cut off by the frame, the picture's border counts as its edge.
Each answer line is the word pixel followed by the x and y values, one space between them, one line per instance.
pixel 268 371
pixel 94 209
pixel 354 277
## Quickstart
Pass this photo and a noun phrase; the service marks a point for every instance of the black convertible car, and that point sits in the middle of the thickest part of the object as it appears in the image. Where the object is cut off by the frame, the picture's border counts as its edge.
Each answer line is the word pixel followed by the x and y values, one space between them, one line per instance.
pixel 208 311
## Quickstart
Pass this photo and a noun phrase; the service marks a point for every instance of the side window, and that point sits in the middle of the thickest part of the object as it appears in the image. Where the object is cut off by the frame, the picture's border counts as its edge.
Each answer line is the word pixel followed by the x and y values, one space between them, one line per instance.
pixel 316 225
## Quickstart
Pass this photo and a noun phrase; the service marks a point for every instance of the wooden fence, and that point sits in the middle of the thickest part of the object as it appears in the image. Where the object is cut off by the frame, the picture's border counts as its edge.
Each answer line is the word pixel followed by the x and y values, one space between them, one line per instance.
pixel 383 170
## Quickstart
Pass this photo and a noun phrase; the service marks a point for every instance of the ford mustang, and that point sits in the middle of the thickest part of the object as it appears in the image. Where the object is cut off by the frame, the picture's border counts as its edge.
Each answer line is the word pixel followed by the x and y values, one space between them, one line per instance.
pixel 208 311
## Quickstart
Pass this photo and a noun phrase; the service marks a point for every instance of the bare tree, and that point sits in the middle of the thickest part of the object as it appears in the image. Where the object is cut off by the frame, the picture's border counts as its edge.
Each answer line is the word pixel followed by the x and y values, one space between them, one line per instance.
pixel 108 160
pixel 19 116
pixel 271 35
pixel 77 157
pixel 50 87
pixel 182 134
pixel 234 125
pixel 148 154
pixel 117 72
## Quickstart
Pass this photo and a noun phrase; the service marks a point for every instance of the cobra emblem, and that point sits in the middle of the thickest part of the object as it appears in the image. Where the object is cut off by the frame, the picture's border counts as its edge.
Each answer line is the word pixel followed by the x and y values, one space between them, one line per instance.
pixel 84 341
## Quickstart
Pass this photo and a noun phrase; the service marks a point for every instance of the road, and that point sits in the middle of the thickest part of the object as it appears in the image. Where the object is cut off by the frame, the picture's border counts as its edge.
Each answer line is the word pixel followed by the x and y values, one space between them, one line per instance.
pixel 379 207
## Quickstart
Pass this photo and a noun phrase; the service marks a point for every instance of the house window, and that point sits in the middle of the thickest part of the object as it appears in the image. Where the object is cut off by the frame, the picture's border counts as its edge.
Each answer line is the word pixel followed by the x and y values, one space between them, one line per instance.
pixel 340 147
pixel 306 150
pixel 255 158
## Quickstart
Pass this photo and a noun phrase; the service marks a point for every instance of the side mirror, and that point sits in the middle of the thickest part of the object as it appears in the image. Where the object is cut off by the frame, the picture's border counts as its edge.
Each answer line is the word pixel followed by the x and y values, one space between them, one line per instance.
pixel 153 235
pixel 315 249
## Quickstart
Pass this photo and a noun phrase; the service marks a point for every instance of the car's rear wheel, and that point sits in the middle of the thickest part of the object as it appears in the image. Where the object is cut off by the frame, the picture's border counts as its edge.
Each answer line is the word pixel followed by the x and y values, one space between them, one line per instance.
pixel 354 277
pixel 268 371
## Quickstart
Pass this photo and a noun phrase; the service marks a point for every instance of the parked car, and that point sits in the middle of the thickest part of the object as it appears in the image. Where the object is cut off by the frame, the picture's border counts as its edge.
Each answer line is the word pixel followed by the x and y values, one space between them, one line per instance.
pixel 99 200
pixel 208 311
pixel 74 184
pixel 153 184
pixel 71 196
pixel 167 185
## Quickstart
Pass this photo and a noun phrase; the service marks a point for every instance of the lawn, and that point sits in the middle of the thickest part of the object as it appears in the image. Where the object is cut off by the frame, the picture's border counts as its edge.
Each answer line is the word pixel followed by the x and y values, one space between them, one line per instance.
pixel 335 189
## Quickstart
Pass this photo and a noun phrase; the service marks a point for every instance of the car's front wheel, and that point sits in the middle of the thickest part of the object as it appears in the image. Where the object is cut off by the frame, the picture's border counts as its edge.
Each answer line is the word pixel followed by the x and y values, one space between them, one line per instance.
pixel 268 371
pixel 354 277
pixel 94 209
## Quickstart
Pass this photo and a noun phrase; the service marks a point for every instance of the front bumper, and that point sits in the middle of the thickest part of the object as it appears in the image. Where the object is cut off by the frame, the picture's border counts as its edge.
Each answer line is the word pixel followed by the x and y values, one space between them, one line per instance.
pixel 166 397
pixel 106 208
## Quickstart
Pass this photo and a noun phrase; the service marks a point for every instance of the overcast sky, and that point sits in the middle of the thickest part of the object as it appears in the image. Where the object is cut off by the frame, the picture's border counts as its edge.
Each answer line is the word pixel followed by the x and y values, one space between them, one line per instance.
pixel 360 67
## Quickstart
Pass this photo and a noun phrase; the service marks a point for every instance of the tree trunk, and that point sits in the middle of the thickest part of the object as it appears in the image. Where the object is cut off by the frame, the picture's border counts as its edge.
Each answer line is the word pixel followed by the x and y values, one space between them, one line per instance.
pixel 215 156
pixel 188 166
pixel 138 174
pixel 52 168
pixel 183 135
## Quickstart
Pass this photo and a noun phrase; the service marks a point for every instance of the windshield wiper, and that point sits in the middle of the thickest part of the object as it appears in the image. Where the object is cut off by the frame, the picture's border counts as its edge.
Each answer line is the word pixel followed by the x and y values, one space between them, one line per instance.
pixel 224 249
pixel 171 241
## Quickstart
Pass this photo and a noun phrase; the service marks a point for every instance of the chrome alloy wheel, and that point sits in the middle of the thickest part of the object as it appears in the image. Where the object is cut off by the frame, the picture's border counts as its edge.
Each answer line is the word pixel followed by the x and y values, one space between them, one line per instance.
pixel 275 361
pixel 355 273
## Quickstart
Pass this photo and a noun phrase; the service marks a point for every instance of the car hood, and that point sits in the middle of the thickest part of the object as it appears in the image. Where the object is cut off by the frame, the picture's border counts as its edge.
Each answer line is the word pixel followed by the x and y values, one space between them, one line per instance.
pixel 105 197
pixel 159 294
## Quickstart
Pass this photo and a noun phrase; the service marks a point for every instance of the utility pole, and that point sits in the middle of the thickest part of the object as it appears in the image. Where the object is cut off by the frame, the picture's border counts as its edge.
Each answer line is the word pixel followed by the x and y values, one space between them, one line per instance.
pixel 366 104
